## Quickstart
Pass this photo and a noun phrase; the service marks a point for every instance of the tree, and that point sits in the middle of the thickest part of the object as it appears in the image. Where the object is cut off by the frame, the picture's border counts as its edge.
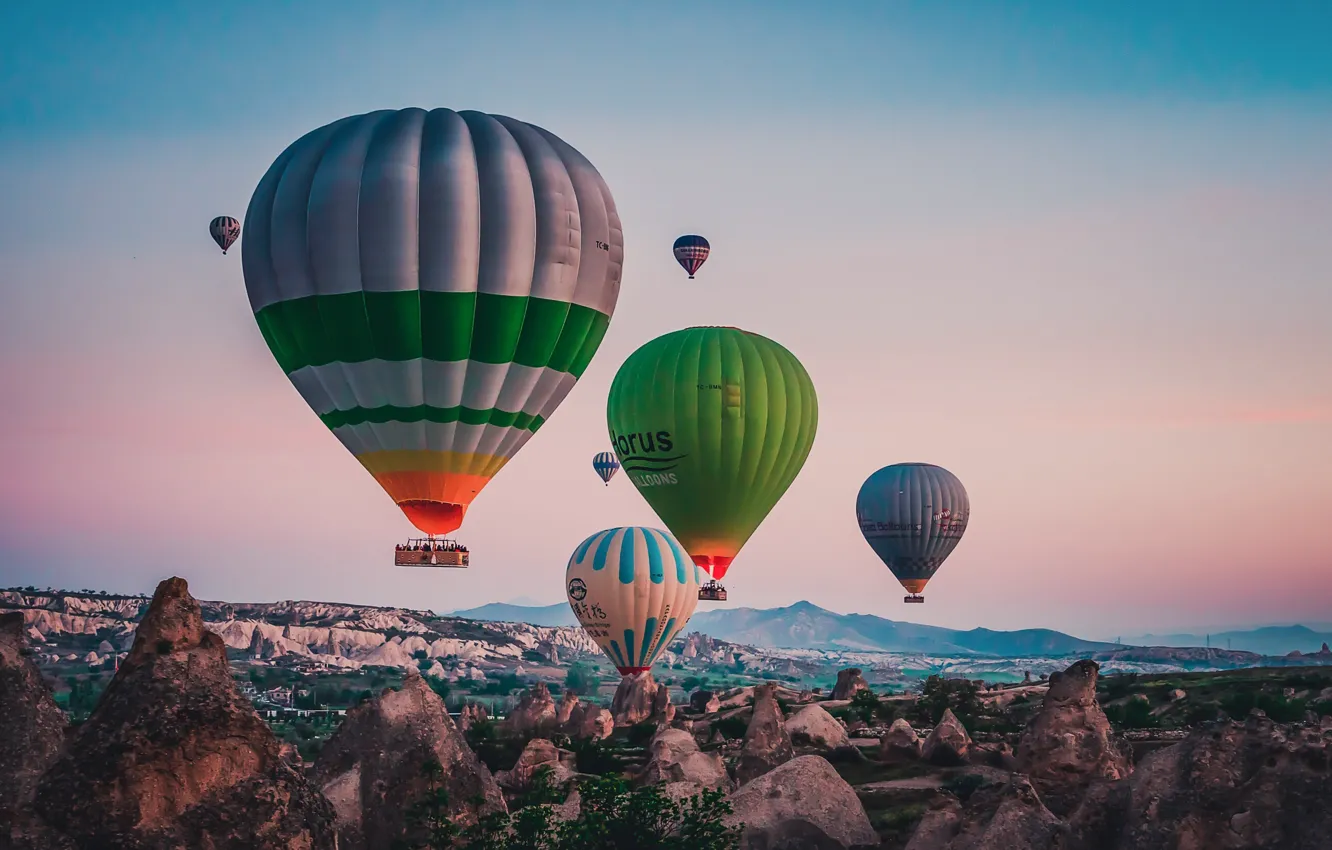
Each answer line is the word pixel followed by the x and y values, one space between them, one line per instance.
pixel 867 706
pixel 611 817
pixel 581 680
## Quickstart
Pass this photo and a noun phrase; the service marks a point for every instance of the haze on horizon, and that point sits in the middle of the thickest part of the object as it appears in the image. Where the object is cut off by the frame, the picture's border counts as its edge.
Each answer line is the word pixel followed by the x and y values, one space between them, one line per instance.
pixel 1078 255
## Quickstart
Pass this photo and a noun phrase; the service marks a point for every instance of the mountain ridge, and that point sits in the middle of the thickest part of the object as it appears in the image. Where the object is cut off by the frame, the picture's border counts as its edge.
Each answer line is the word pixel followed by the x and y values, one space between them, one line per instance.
pixel 804 625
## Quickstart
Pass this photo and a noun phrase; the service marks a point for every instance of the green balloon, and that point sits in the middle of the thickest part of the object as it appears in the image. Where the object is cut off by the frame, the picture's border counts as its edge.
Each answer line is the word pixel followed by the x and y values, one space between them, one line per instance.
pixel 712 425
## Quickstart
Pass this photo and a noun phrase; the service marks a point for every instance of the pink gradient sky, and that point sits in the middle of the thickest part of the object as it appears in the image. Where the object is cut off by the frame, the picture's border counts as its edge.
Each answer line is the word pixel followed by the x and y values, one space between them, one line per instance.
pixel 1112 319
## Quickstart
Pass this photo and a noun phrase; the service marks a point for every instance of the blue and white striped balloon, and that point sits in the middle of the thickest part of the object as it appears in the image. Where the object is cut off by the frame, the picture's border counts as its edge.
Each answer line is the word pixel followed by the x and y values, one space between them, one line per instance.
pixel 633 589
pixel 606 465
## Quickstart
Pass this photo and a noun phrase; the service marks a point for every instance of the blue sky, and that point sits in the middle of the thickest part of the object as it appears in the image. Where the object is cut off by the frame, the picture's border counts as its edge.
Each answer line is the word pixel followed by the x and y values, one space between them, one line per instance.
pixel 1076 253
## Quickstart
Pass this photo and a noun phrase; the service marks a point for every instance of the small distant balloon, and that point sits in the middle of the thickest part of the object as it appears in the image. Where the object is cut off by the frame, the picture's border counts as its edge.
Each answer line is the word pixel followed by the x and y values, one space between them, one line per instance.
pixel 691 252
pixel 225 230
pixel 605 466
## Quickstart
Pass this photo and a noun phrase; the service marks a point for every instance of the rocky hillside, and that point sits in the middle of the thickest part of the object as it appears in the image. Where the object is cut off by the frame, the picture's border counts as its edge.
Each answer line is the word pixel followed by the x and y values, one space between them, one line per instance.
pixel 324 635
pixel 173 755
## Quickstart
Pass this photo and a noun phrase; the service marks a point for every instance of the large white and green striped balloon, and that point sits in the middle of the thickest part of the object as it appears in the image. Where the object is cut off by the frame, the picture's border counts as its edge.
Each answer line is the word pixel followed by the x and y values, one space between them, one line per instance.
pixel 433 284
pixel 633 589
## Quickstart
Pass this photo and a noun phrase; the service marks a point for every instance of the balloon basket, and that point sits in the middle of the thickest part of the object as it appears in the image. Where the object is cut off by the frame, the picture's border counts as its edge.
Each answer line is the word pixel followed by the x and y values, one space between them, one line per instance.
pixel 431 552
pixel 712 592
pixel 916 599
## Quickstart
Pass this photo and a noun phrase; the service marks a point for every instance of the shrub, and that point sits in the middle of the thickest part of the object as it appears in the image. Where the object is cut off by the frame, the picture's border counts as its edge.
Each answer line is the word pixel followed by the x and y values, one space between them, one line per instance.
pixel 611 816
pixel 963 785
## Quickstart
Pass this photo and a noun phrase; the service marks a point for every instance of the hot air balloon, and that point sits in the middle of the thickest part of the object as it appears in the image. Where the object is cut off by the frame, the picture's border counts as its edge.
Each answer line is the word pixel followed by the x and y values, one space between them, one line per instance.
pixel 633 589
pixel 224 229
pixel 712 425
pixel 433 284
pixel 912 516
pixel 690 252
pixel 606 466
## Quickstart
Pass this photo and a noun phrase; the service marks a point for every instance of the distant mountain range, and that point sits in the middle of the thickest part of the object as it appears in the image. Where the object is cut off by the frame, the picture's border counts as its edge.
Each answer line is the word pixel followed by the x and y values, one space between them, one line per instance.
pixel 558 614
pixel 805 625
pixel 1269 640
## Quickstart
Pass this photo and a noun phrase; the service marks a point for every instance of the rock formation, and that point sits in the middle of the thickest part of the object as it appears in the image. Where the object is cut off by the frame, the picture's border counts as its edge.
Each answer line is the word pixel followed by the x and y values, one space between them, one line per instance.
pixel 676 760
pixel 736 697
pixel 392 752
pixel 174 756
pixel 802 803
pixel 813 726
pixel 704 702
pixel 597 723
pixel 766 742
pixel 849 683
pixel 1009 816
pixel 633 699
pixel 948 743
pixel 938 825
pixel 1241 785
pixel 900 743
pixel 564 709
pixel 537 755
pixel 533 715
pixel 663 711
pixel 471 714
pixel 32 726
pixel 1068 744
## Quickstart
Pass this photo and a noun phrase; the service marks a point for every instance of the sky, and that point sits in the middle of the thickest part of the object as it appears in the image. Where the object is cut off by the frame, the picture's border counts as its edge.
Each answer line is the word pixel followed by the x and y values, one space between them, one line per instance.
pixel 1078 254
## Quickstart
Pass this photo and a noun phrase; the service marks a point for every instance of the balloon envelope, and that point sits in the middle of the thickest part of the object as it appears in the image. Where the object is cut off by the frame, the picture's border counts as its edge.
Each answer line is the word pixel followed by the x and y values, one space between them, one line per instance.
pixel 605 465
pixel 691 252
pixel 633 589
pixel 913 515
pixel 433 284
pixel 712 425
pixel 224 229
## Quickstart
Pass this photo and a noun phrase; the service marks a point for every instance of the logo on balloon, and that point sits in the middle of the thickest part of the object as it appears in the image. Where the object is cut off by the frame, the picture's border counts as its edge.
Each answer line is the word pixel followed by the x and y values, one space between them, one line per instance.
pixel 646 457
pixel 577 589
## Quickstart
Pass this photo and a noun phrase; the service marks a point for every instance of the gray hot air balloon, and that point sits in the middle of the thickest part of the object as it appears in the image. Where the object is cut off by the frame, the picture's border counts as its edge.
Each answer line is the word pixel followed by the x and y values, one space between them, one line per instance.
pixel 433 284
pixel 224 229
pixel 912 516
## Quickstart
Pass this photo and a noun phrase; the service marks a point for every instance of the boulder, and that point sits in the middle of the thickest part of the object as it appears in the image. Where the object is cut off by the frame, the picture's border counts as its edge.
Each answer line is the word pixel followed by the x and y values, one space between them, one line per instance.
pixel 1253 785
pixel 938 825
pixel 766 742
pixel 633 700
pixel 1069 743
pixel 394 752
pixel 533 715
pixel 704 702
pixel 948 743
pixel 674 758
pixel 539 754
pixel 899 744
pixel 802 803
pixel 33 727
pixel 1009 816
pixel 849 683
pixel 812 726
pixel 175 756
